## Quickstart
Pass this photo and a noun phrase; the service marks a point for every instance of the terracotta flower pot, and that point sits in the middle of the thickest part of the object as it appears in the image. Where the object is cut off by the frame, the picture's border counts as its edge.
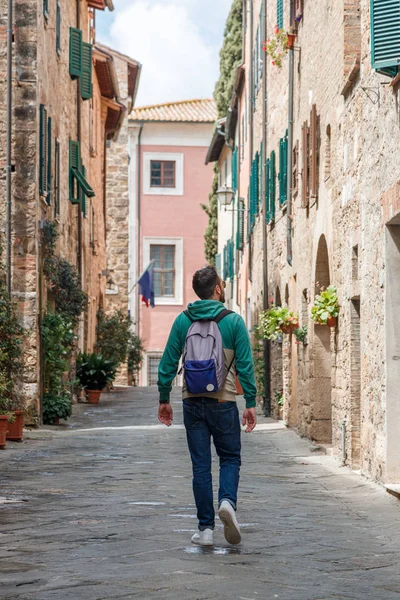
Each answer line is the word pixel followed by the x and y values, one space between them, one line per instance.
pixel 15 429
pixel 3 431
pixel 291 38
pixel 332 322
pixel 93 396
pixel 289 328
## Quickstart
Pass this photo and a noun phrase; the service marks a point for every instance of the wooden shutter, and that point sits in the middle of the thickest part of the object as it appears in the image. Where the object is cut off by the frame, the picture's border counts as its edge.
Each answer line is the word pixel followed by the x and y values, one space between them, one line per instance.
pixel 279 13
pixel 267 189
pixel 240 225
pixel 58 28
pixel 75 52
pixel 57 173
pixel 82 193
pixel 273 183
pixel 46 11
pixel 49 177
pixel 283 149
pixel 43 151
pixel 256 185
pixel 295 169
pixel 305 166
pixel 385 35
pixel 87 68
pixel 74 163
pixel 313 153
pixel 234 170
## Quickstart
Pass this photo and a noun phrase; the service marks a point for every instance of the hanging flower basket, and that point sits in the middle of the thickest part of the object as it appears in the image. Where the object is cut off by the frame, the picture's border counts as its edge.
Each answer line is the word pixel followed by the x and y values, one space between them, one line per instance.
pixel 326 307
pixel 277 46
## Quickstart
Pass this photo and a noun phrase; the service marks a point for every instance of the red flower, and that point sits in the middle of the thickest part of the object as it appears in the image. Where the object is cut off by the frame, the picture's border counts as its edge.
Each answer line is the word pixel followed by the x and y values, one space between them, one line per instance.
pixel 276 29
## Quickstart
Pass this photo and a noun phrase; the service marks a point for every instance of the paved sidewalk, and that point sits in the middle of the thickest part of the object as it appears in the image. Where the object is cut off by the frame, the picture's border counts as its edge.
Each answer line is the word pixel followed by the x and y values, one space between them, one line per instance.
pixel 107 513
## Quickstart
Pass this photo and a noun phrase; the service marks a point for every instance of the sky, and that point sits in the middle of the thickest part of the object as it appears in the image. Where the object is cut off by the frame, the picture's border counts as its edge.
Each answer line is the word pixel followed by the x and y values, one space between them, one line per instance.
pixel 176 41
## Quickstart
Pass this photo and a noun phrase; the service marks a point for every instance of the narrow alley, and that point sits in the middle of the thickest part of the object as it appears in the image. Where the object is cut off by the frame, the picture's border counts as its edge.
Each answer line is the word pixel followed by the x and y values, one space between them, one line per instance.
pixel 103 509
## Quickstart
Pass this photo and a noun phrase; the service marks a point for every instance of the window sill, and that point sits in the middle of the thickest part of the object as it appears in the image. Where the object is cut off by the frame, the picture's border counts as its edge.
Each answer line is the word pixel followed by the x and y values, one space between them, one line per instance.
pixel 167 301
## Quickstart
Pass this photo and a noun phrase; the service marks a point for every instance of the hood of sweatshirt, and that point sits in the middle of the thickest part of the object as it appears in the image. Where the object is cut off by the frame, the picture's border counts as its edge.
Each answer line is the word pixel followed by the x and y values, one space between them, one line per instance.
pixel 205 309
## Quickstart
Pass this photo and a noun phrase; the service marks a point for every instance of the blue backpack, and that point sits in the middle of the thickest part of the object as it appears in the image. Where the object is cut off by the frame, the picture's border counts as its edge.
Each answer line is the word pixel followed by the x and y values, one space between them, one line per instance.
pixel 203 357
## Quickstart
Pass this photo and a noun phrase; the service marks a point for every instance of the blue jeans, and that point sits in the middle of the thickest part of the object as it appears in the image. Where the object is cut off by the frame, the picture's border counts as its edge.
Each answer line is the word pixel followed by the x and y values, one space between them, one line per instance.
pixel 203 418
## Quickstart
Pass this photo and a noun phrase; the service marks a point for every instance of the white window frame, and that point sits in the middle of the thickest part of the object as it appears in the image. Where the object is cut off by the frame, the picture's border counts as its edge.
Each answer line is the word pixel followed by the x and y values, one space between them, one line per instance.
pixel 170 241
pixel 177 158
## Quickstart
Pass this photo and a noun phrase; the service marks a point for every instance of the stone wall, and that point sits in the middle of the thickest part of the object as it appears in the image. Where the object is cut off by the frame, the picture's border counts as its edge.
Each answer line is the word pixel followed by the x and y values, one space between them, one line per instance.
pixel 341 374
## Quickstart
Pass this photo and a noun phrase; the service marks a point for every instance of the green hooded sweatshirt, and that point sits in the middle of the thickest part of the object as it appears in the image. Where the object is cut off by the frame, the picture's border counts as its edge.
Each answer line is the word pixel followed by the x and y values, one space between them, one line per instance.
pixel 236 344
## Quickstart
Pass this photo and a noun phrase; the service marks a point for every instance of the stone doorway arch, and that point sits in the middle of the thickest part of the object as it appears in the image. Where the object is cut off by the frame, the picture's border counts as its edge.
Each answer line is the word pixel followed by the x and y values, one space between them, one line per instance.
pixel 321 388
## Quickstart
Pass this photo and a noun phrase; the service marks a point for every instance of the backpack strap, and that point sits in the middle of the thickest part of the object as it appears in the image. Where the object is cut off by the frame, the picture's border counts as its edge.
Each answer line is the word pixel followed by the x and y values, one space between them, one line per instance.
pixel 222 314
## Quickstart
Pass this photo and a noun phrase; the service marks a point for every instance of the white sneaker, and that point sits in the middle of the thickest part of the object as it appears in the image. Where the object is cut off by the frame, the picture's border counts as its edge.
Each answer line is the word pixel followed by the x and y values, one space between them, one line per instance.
pixel 203 538
pixel 231 526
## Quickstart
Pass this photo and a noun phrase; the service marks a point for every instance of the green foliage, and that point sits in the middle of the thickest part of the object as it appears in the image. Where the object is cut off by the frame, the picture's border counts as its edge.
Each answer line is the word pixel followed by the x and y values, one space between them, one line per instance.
pixel 11 350
pixel 301 335
pixel 113 335
pixel 58 341
pixel 277 47
pixel 94 372
pixel 276 320
pixel 62 277
pixel 56 407
pixel 230 57
pixel 258 356
pixel 211 233
pixel 326 305
pixel 135 353
pixel 279 397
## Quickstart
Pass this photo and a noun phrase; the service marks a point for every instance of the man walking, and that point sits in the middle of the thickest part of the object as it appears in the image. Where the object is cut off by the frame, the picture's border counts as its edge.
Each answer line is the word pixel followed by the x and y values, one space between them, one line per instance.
pixel 209 413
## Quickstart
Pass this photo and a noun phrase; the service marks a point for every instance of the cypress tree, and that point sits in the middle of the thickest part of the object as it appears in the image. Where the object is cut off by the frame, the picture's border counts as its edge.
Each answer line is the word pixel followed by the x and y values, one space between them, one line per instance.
pixel 230 57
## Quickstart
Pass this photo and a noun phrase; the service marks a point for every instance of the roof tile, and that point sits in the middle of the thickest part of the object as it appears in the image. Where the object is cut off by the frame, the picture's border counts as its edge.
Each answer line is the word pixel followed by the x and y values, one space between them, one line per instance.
pixel 196 111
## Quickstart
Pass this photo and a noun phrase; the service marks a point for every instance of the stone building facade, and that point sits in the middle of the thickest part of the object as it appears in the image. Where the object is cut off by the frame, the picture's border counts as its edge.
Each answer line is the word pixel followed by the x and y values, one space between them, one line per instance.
pixel 65 107
pixel 326 210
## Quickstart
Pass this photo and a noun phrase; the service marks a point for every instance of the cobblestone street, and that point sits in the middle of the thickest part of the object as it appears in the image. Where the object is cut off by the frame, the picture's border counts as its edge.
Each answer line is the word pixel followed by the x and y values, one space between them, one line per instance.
pixel 103 509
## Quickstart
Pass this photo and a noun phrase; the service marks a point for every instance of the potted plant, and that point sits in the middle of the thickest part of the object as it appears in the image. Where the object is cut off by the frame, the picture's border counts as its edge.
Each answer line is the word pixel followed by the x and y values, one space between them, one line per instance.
pixel 15 431
pixel 94 372
pixel 277 46
pixel 326 307
pixel 276 320
pixel 301 335
pixel 56 406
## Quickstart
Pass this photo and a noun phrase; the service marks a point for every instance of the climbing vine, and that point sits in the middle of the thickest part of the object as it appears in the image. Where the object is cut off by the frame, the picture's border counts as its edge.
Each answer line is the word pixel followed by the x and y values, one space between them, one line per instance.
pixel 230 57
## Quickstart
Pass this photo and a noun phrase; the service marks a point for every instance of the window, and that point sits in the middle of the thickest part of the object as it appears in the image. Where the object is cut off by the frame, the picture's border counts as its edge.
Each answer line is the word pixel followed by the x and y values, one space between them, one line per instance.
pixel 57 187
pixel 270 188
pixel 305 165
pixel 279 13
pixel 283 174
pixel 385 36
pixel 162 173
pixel 240 225
pixel 153 362
pixel 58 28
pixel 164 269
pixel 46 9
pixel 86 78
pixel 79 188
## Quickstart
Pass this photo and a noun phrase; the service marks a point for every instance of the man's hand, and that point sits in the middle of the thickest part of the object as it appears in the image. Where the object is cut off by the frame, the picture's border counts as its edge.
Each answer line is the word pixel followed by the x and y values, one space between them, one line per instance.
pixel 165 414
pixel 249 419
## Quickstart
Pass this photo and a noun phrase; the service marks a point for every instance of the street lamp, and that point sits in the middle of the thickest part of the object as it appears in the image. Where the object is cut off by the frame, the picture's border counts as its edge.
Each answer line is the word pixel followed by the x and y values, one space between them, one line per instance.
pixel 225 195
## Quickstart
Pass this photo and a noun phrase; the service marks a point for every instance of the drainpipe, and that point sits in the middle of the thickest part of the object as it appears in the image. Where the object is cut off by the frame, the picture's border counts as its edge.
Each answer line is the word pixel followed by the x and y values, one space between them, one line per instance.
pixel 79 135
pixel 267 357
pixel 139 185
pixel 290 155
pixel 8 144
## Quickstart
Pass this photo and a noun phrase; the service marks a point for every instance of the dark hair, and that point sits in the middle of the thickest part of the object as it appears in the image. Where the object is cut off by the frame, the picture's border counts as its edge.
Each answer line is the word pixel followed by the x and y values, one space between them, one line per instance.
pixel 204 282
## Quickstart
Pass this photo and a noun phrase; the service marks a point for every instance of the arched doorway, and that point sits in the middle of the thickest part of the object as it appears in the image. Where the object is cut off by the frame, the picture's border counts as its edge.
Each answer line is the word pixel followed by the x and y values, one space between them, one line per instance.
pixel 277 366
pixel 321 396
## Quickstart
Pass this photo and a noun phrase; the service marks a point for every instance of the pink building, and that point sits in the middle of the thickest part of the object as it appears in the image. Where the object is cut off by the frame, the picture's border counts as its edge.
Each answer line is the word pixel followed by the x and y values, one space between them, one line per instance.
pixel 168 144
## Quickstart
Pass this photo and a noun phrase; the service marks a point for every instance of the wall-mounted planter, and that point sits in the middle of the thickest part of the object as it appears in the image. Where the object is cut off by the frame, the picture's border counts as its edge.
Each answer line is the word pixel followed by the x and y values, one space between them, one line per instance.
pixel 15 429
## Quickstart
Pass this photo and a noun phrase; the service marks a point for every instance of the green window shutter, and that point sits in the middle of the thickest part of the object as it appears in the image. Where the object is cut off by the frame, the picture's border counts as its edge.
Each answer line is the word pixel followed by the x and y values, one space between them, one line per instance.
pixel 283 170
pixel 75 52
pixel 82 193
pixel 74 165
pixel 279 13
pixel 58 28
pixel 57 173
pixel 43 148
pixel 240 225
pixel 385 35
pixel 87 67
pixel 46 11
pixel 225 267
pixel 273 183
pixel 49 178
pixel 218 264
pixel 256 184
